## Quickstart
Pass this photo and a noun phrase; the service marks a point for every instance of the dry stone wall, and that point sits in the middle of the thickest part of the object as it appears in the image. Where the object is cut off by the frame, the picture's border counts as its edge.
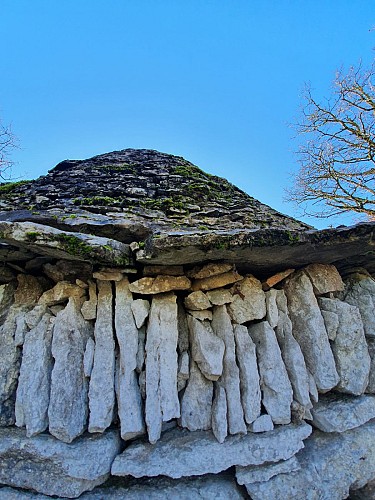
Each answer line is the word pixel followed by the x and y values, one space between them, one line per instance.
pixel 184 372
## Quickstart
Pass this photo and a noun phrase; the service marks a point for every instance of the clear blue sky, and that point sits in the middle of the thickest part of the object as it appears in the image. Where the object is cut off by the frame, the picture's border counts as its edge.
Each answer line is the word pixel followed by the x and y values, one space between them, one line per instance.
pixel 214 81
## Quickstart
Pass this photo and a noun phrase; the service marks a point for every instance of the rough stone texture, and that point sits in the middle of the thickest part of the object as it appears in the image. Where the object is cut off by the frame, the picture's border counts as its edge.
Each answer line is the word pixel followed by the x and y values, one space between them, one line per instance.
pixel 183 329
pixel 282 301
pixel 108 275
pixel 201 315
pixel 249 375
pixel 276 278
pixel 162 402
pixel 60 293
pixel 324 278
pixel 313 388
pixel 361 293
pixel 49 466
pixel 216 281
pixel 68 406
pixel 182 453
pixel 160 284
pixel 293 360
pixel 183 370
pixel 129 400
pixel 220 296
pixel 261 473
pixel 272 315
pixel 140 309
pixel 349 347
pixel 310 332
pixel 207 349
pixel 34 383
pixel 141 353
pixel 371 383
pixel 28 290
pixel 334 413
pixel 331 321
pixel 262 424
pixel 67 270
pixel 219 414
pixel 88 357
pixel 197 301
pixel 196 403
pixel 212 269
pixel 101 391
pixel 230 379
pixel 249 301
pixel 166 270
pixel 274 382
pixel 88 309
pixel 331 464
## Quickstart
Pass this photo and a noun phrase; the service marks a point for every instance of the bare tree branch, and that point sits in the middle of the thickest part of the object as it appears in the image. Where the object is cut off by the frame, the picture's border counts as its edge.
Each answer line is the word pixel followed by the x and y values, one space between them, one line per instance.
pixel 8 143
pixel 337 162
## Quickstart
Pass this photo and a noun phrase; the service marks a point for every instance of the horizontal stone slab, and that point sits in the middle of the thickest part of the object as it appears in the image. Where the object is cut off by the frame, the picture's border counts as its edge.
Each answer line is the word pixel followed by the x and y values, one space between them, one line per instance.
pixel 182 453
pixel 51 467
pixel 336 413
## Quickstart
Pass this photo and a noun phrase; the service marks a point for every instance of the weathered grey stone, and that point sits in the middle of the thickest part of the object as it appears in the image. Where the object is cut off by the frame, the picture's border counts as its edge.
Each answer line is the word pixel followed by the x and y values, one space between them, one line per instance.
pixel 371 382
pixel 331 321
pixel 216 281
pixel 360 292
pixel 6 299
pixel 29 290
pixel 334 413
pixel 67 270
pixel 324 278
pixel 310 332
pixel 207 349
pixel 293 360
pixel 262 424
pixel 272 315
pixel 197 301
pixel 182 453
pixel 249 301
pixel 230 379
pixel 89 306
pixel 160 284
pixel 281 301
pixel 208 270
pixel 129 400
pixel 312 388
pixel 140 309
pixel 101 391
pixel 21 329
pixel 141 353
pixel 331 464
pixel 183 329
pixel 34 383
pixel 88 357
pixel 68 406
pixel 349 347
pixel 196 402
pixel 219 414
pixel 61 293
pixel 202 315
pixel 220 296
pixel 49 466
pixel 183 370
pixel 249 375
pixel 274 382
pixel 162 402
pixel 108 275
pixel 33 317
pixel 260 473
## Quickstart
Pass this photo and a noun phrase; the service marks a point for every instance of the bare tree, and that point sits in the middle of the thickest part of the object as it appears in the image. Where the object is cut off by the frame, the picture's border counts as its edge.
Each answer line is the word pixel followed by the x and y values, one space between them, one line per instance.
pixel 8 143
pixel 337 163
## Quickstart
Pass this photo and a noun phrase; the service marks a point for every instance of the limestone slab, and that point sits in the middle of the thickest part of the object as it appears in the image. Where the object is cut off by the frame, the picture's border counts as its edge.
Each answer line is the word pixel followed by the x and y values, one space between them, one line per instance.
pixel 162 402
pixel 60 293
pixel 129 400
pixel 261 473
pixel 101 390
pixel 262 424
pixel 182 453
pixel 324 278
pixel 140 309
pixel 88 309
pixel 220 296
pixel 249 301
pixel 360 292
pixel 272 315
pixel 160 284
pixel 349 347
pixel 216 281
pixel 249 375
pixel 165 270
pixel 276 278
pixel 46 465
pixel 310 332
pixel 219 414
pixel 208 270
pixel 68 406
pixel 28 291
pixel 202 315
pixel 197 301
pixel 207 349
pixel 274 381
pixel 88 357
pixel 230 379
pixel 371 383
pixel 339 413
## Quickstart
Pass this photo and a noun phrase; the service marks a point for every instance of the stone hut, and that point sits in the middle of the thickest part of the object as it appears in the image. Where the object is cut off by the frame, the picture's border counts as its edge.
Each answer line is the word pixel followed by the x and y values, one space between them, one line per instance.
pixel 165 335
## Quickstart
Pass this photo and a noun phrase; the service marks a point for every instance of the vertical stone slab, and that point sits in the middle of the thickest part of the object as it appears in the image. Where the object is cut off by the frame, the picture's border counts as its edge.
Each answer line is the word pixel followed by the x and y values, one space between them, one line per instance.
pixel 102 391
pixel 310 332
pixel 34 383
pixel 162 402
pixel 274 381
pixel 230 380
pixel 68 406
pixel 196 403
pixel 219 414
pixel 360 292
pixel 294 361
pixel 249 375
pixel 349 347
pixel 129 401
pixel 371 350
